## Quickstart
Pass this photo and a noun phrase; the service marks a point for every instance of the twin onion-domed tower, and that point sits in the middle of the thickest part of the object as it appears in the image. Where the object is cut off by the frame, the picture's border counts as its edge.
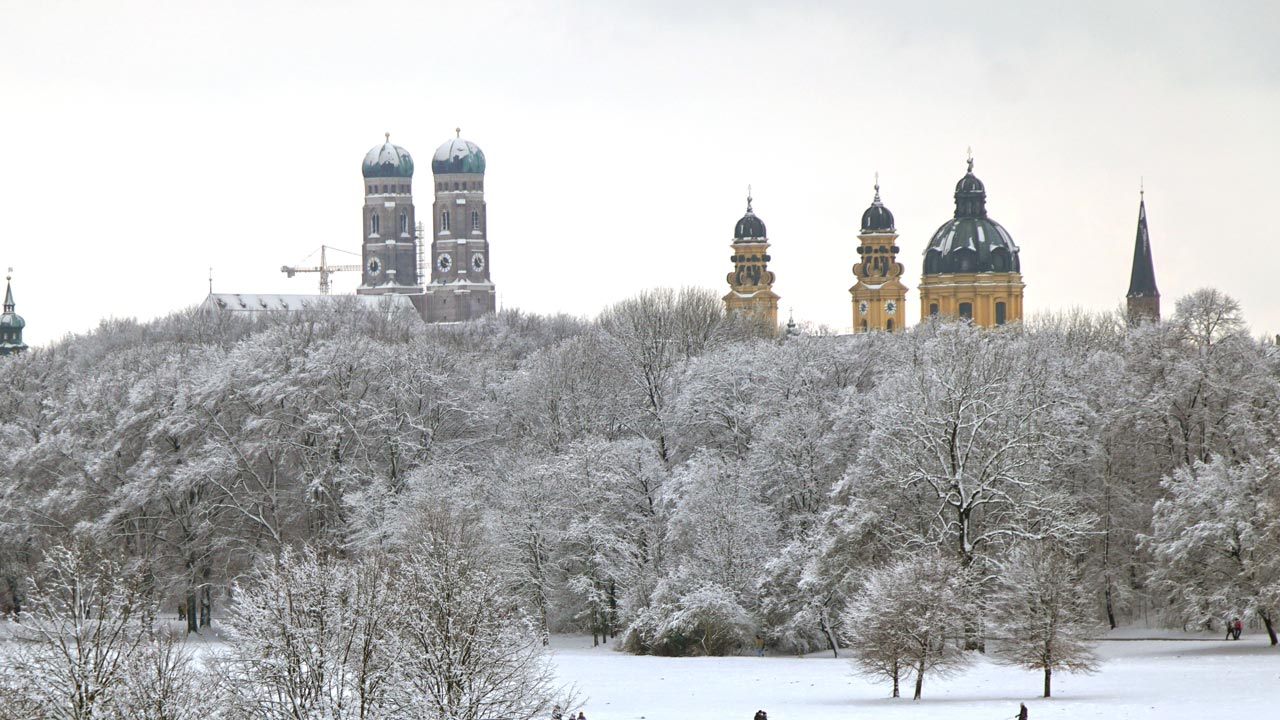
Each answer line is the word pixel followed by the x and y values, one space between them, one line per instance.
pixel 971 267
pixel 751 298
pixel 458 286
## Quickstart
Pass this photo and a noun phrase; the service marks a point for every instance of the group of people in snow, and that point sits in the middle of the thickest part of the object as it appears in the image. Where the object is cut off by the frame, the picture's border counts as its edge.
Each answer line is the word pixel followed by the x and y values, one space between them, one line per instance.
pixel 557 714
pixel 1233 629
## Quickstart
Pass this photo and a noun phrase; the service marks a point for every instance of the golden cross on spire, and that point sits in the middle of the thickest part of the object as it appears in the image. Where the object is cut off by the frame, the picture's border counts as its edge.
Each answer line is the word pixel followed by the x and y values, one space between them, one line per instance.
pixel 1142 192
pixel 748 198
pixel 969 151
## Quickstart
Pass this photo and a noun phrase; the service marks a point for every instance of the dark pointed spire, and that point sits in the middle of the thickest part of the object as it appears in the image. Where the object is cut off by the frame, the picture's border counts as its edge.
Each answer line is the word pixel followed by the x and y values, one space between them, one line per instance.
pixel 1143 298
pixel 8 292
pixel 1142 280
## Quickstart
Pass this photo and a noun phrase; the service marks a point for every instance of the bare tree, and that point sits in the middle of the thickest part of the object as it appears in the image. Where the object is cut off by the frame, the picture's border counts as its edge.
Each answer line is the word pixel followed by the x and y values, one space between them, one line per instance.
pixel 1046 622
pixel 910 615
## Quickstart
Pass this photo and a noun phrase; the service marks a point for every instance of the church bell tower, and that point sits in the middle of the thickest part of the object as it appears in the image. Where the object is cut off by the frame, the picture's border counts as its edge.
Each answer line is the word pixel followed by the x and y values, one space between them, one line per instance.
pixel 460 287
pixel 878 294
pixel 389 246
pixel 751 297
pixel 1143 299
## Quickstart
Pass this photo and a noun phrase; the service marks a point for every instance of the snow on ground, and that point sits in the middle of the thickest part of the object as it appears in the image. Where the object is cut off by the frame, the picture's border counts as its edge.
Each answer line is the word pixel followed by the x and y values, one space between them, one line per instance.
pixel 1185 677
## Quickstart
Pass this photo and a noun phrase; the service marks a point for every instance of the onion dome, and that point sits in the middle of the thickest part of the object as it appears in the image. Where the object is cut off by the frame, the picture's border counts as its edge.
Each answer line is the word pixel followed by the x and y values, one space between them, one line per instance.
pixel 971 242
pixel 458 156
pixel 877 218
pixel 749 227
pixel 387 161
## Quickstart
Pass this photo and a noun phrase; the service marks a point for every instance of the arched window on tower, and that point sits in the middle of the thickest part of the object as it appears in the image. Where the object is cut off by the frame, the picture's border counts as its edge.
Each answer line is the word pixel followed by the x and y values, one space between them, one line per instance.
pixel 404 222
pixel 1001 313
pixel 933 309
pixel 888 325
pixel 444 221
pixel 475 219
pixel 966 311
pixel 374 224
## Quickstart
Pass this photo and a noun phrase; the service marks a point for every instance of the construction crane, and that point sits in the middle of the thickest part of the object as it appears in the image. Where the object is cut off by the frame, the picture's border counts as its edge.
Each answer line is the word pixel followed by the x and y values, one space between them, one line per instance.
pixel 324 268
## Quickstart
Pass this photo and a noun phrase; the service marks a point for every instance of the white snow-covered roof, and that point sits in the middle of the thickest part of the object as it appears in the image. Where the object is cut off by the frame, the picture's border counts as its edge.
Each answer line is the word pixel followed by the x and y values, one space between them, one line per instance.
pixel 256 303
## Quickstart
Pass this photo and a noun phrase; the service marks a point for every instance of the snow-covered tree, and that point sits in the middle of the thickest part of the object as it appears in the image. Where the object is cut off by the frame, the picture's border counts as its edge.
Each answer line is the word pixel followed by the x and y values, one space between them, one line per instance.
pixel 1216 541
pixel 1044 620
pixel 469 651
pixel 88 641
pixel 313 636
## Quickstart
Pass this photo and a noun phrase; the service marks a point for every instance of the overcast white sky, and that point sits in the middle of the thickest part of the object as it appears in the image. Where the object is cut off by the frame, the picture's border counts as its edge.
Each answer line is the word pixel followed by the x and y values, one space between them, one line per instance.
pixel 144 142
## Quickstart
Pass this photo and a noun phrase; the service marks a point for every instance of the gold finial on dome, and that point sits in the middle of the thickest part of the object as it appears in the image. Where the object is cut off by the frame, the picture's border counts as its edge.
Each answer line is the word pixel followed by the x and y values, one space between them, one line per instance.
pixel 458 131
pixel 387 136
pixel 748 198
pixel 969 150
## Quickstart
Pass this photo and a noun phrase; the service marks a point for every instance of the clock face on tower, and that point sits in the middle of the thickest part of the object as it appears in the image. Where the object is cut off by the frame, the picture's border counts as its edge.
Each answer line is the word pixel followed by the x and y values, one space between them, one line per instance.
pixel 862 307
pixel 891 307
pixel 477 262
pixel 375 266
pixel 444 262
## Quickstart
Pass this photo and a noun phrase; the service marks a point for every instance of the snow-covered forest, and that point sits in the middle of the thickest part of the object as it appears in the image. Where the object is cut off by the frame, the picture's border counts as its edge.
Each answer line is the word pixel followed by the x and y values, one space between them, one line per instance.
pixel 657 478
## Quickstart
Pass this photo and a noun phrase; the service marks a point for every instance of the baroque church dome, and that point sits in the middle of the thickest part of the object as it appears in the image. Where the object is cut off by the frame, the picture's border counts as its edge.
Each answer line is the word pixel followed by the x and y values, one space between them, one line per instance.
pixel 877 218
pixel 387 161
pixel 971 242
pixel 750 226
pixel 458 156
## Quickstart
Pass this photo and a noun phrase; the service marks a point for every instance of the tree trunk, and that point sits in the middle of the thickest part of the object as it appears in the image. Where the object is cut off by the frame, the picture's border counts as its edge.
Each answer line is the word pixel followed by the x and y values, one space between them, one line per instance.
pixel 1048 673
pixel 206 606
pixel 919 680
pixel 192 620
pixel 1111 613
pixel 831 637
pixel 896 673
pixel 1271 629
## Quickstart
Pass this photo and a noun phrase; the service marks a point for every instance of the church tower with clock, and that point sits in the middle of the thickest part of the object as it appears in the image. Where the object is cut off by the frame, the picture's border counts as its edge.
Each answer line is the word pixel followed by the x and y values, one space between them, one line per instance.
pixel 878 294
pixel 751 297
pixel 389 247
pixel 460 287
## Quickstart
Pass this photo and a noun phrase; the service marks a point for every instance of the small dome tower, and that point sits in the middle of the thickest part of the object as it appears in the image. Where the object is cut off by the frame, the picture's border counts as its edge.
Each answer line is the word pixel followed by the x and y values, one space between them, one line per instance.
pixel 878 293
pixel 11 323
pixel 751 297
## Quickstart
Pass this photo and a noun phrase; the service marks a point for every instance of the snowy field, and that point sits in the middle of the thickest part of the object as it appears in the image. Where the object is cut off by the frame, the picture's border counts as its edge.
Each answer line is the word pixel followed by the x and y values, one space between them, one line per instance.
pixel 1186 677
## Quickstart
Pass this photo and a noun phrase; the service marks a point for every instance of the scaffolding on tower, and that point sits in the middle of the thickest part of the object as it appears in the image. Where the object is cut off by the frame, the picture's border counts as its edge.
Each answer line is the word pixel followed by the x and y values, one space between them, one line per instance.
pixel 422 254
pixel 324 268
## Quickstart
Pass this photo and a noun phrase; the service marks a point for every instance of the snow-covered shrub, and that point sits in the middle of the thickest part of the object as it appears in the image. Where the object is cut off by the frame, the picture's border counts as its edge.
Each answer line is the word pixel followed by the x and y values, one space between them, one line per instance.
pixel 705 619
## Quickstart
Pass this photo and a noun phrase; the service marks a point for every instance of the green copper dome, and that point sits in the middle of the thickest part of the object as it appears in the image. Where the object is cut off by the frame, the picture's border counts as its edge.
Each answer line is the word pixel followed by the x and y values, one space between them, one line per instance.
pixel 971 242
pixel 458 156
pixel 387 161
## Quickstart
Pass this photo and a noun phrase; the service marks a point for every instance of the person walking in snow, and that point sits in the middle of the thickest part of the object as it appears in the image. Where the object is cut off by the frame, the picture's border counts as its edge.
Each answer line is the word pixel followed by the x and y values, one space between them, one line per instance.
pixel 761 715
pixel 1235 629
